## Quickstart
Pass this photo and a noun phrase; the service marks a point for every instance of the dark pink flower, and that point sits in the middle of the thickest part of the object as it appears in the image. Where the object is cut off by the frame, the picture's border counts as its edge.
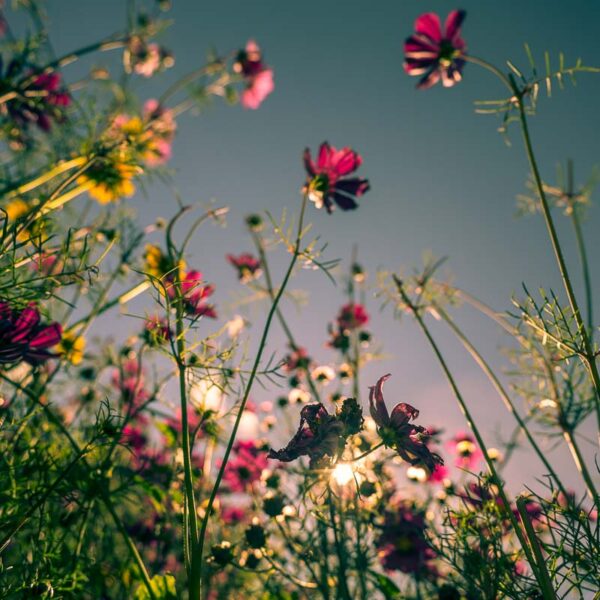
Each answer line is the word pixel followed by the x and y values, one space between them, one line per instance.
pixel 297 360
pixel 156 331
pixel 467 453
pixel 352 316
pixel 233 514
pixel 433 54
pixel 397 431
pixel 327 182
pixel 24 338
pixel 246 465
pixel 402 544
pixel 258 77
pixel 248 267
pixel 195 295
pixel 128 379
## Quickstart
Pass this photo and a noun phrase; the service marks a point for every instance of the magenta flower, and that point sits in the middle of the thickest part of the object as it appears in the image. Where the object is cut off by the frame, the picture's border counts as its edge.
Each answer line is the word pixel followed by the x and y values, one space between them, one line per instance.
pixel 248 267
pixel 433 54
pixel 24 338
pixel 245 467
pixel 352 316
pixel 129 380
pixel 195 295
pixel 40 99
pixel 327 182
pixel 258 77
pixel 397 431
pixel 156 331
pixel 402 545
pixel 467 453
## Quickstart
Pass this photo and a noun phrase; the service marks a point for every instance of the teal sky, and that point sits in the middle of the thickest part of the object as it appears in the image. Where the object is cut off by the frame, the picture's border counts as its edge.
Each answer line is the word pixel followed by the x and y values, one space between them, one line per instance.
pixel 442 179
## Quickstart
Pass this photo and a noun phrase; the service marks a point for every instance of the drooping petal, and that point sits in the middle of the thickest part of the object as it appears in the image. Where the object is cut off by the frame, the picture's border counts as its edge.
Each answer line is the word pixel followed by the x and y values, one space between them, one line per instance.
pixel 377 406
pixel 355 186
pixel 429 24
pixel 429 80
pixel 345 202
pixel 402 413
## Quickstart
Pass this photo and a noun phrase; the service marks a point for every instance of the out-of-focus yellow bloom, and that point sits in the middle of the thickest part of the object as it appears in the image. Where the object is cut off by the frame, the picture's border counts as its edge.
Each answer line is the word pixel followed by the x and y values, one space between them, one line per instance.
pixel 158 264
pixel 72 347
pixel 110 181
pixel 15 209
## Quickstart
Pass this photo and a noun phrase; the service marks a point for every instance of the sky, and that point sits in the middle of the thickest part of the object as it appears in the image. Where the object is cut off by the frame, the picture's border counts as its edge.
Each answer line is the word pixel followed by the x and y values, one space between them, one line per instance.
pixel 443 180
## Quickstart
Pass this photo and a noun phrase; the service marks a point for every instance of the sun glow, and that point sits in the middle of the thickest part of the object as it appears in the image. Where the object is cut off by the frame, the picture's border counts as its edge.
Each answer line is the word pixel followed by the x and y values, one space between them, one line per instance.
pixel 343 473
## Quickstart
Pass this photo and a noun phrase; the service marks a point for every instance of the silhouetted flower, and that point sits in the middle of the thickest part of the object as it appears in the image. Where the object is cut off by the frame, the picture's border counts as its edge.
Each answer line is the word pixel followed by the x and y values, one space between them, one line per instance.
pixel 327 183
pixel 433 54
pixel 397 431
pixel 248 267
pixel 402 545
pixel 24 338
pixel 258 77
pixel 319 436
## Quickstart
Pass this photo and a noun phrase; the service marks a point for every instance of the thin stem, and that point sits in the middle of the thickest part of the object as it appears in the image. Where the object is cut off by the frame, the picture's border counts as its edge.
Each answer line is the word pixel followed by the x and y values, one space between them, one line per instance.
pixel 261 348
pixel 132 548
pixel 590 358
pixel 580 462
pixel 471 423
pixel 545 583
pixel 501 391
pixel 340 551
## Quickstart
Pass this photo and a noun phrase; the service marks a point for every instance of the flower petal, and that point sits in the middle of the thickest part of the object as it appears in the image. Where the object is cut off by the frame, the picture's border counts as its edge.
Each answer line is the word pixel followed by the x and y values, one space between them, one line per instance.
pixel 429 25
pixel 453 23
pixel 377 403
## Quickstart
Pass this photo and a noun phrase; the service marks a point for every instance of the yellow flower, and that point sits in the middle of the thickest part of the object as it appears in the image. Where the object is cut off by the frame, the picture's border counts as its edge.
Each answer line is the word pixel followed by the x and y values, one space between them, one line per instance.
pixel 110 181
pixel 15 209
pixel 158 264
pixel 72 347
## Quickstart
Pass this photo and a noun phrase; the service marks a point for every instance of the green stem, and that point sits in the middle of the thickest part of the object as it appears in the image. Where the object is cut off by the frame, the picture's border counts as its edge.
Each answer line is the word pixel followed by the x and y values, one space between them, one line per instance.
pixel 590 358
pixel 340 551
pixel 580 463
pixel 132 547
pixel 546 582
pixel 471 423
pixel 261 348
pixel 501 391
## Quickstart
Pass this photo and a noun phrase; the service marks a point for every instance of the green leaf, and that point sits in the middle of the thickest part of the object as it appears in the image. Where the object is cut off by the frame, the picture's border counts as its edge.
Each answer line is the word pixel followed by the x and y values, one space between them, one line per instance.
pixel 385 585
pixel 163 587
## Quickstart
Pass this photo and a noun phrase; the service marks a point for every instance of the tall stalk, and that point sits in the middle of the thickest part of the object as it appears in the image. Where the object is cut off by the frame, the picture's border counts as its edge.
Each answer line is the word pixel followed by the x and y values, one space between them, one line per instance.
pixel 261 348
pixel 547 594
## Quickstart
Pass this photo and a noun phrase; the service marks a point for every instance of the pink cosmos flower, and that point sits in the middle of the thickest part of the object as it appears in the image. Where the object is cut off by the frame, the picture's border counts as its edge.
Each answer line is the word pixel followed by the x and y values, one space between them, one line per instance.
pixel 467 453
pixel 129 380
pixel 145 58
pixel 352 316
pixel 327 182
pixel 195 295
pixel 162 126
pixel 24 338
pixel 258 77
pixel 433 54
pixel 248 267
pixel 245 467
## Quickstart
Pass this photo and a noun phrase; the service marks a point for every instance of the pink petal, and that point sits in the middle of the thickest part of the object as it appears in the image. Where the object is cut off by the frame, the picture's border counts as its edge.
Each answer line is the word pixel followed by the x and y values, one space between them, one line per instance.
pixel 453 22
pixel 345 161
pixel 26 321
pixel 429 25
pixel 377 404
pixel 47 337
pixel 324 159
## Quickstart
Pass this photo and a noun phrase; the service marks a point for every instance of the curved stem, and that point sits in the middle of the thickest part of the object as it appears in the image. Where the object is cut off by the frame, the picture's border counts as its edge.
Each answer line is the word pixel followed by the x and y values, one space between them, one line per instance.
pixel 467 414
pixel 501 391
pixel 261 348
pixel 590 358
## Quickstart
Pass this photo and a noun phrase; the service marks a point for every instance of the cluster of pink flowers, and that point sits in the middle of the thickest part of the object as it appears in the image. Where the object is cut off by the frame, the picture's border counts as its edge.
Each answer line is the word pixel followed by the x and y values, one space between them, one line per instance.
pixel 352 316
pixel 128 378
pixel 257 76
